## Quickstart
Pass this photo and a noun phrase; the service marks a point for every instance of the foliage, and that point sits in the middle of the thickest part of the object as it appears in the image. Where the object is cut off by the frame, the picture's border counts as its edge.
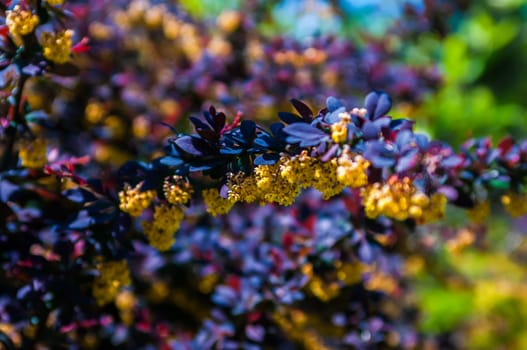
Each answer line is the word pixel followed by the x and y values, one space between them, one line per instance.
pixel 309 231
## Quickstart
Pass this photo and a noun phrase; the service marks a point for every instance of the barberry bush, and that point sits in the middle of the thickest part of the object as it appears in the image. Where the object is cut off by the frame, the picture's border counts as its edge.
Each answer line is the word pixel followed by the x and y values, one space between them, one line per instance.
pixel 296 211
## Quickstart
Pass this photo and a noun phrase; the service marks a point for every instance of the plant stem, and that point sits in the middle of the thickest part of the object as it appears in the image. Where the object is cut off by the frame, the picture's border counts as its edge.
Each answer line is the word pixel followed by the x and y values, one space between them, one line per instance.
pixel 12 129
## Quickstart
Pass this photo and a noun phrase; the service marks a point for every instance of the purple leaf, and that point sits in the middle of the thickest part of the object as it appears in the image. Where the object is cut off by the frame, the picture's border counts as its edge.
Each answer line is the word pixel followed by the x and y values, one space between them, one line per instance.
pixel 255 332
pixel 303 109
pixel 248 129
pixel 377 104
pixel 289 118
pixel 333 104
pixel 193 145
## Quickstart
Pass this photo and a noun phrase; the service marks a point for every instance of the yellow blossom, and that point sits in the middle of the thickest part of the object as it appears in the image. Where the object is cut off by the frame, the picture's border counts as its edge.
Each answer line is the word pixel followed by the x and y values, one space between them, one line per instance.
pixel 399 199
pixel 339 130
pixel 216 204
pixel 125 302
pixel 359 111
pixel 171 26
pixel 153 16
pixel 55 2
pixel 94 112
pixel 113 275
pixel 480 212
pixel 177 190
pixel 229 20
pixel 325 179
pixel 33 154
pixel 350 273
pixel 20 22
pixel 12 333
pixel 515 203
pixel 274 187
pixel 57 46
pixel 242 188
pixel 133 201
pixel 160 231
pixel 380 281
pixel 464 239
pixel 298 169
pixel 351 171
pixel 322 290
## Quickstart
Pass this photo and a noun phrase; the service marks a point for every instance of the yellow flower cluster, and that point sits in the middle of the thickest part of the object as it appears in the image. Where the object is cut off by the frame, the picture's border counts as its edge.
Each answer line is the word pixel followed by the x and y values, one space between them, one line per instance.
pixel 33 154
pixel 305 171
pixel 351 170
pixel 229 20
pixel 216 204
pixel 242 188
pixel 325 179
pixel 294 326
pixel 298 169
pixel 311 56
pixel 480 212
pixel 20 22
pixel 125 302
pixel 380 281
pixel 399 199
pixel 113 275
pixel 515 203
pixel 55 2
pixel 142 13
pixel 273 187
pixel 11 332
pixel 461 241
pixel 324 291
pixel 282 182
pixel 339 130
pixel 133 201
pixel 160 231
pixel 177 190
pixel 350 273
pixel 57 46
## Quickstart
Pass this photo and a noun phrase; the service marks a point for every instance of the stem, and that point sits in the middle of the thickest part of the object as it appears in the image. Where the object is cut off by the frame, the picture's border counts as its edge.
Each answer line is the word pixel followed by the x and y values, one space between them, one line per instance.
pixel 12 129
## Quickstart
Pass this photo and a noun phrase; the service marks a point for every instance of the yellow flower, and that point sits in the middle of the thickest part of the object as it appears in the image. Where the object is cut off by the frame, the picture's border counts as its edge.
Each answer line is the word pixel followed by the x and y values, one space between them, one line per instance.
pixel 133 201
pixel 298 169
pixel 125 302
pixel 229 20
pixel 113 275
pixel 171 26
pixel 57 46
pixel 351 171
pixel 242 188
pixel 399 199
pixel 20 22
pixel 480 212
pixel 216 204
pixel 12 333
pixel 463 239
pixel 275 188
pixel 339 130
pixel 325 179
pixel 160 231
pixel 515 203
pixel 380 281
pixel 94 112
pixel 33 153
pixel 55 2
pixel 435 210
pixel 177 191
pixel 322 290
pixel 153 16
